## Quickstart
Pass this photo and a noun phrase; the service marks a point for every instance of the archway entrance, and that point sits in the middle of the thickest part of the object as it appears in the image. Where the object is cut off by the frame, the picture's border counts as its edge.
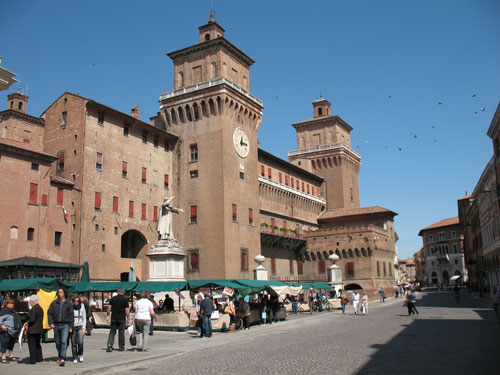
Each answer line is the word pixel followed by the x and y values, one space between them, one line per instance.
pixel 446 277
pixel 132 244
pixel 434 278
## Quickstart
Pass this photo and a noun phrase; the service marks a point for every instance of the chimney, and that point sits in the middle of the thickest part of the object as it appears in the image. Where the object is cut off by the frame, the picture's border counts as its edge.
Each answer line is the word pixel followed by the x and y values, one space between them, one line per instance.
pixel 135 112
pixel 17 102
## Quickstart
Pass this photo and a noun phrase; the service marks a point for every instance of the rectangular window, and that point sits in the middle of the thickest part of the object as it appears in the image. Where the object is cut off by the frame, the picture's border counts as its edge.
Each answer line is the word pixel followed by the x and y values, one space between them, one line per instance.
pixel 262 170
pixel 155 213
pixel 156 140
pixel 124 169
pixel 234 213
pixel 30 234
pixel 125 130
pixel 193 174
pixel 290 261
pixel 378 268
pixel 293 183
pixel 431 238
pixel 390 269
pixel 280 178
pixel 300 268
pixel 352 196
pixel 269 174
pixel 143 212
pixel 321 266
pixel 100 118
pixel 308 189
pixel 60 162
pixel 193 152
pixel 33 193
pixel 453 234
pixel 60 197
pixel 45 199
pixel 144 173
pixel 34 166
pixel 166 146
pixel 57 238
pixel 115 205
pixel 64 118
pixel 250 216
pixel 244 260
pixel 242 176
pixel 273 266
pixel 97 201
pixel 193 214
pixel 98 162
pixel 312 190
pixel 383 267
pixel 303 187
pixel 194 260
pixel 273 225
pixel 131 209
pixel 350 269
pixel 144 136
pixel 165 181
pixel 286 180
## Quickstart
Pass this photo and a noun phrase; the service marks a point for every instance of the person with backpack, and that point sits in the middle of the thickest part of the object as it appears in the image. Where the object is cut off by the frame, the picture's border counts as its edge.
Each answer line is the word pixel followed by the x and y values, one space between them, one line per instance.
pixel 10 325
pixel 61 318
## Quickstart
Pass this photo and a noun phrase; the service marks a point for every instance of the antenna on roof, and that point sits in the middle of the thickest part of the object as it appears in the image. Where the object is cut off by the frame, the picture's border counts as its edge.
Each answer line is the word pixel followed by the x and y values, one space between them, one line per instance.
pixel 19 87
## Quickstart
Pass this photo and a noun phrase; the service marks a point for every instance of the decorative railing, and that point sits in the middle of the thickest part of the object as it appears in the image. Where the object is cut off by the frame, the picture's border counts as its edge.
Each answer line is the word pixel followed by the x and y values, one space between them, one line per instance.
pixel 319 148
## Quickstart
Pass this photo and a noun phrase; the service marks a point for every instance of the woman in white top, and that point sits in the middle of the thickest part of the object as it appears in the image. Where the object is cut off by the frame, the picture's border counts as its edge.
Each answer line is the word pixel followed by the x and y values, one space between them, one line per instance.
pixel 364 304
pixel 144 311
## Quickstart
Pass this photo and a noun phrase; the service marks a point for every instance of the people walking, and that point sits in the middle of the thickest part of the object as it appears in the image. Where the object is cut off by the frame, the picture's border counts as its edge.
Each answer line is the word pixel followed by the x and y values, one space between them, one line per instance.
pixel 495 299
pixel 156 308
pixel 396 291
pixel 61 318
pixel 295 309
pixel 120 318
pixel 411 300
pixel 35 330
pixel 143 315
pixel 355 302
pixel 381 291
pixel 364 304
pixel 10 324
pixel 343 301
pixel 456 293
pixel 206 309
pixel 198 299
pixel 88 311
pixel 244 312
pixel 312 299
pixel 80 321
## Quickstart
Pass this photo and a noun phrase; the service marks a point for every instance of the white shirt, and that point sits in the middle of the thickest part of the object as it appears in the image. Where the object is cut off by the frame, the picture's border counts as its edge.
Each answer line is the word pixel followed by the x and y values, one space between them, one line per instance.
pixel 142 309
pixel 355 297
pixel 196 304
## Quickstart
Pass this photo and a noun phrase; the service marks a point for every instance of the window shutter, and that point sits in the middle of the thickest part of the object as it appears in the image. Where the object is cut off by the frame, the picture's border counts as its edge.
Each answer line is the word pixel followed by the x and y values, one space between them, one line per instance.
pixel 273 266
pixel 243 260
pixel 193 212
pixel 308 189
pixel 262 170
pixel 99 158
pixel 300 268
pixel 61 157
pixel 234 210
pixel 60 196
pixel 280 178
pixel 115 205
pixel 286 180
pixel 124 166
pixel 33 193
pixel 292 183
pixel 131 208
pixel 269 172
pixel 97 201
pixel 321 265
pixel 144 171
pixel 291 266
pixel 45 199
pixel 194 259
pixel 155 213
pixel 166 179
pixel 312 190
pixel 143 211
pixel 250 215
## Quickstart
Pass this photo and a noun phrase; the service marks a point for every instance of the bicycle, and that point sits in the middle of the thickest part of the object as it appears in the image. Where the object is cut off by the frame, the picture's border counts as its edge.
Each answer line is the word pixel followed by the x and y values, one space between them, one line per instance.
pixel 324 304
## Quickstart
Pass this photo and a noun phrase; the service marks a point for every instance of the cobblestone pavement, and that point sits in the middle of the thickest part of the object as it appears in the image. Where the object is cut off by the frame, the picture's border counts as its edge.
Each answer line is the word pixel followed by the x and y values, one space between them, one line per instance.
pixel 445 338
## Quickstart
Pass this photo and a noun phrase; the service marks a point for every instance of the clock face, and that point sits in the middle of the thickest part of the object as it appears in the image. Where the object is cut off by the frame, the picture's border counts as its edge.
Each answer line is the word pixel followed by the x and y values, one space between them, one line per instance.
pixel 241 143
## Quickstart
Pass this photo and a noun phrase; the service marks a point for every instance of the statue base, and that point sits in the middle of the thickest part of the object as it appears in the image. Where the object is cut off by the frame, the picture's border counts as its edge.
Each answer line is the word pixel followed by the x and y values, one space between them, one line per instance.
pixel 166 261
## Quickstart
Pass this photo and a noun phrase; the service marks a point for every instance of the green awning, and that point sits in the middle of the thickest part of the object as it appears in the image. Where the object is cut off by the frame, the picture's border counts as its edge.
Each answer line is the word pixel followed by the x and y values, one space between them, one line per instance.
pixel 307 286
pixel 214 283
pixel 105 286
pixel 31 284
pixel 160 286
pixel 258 283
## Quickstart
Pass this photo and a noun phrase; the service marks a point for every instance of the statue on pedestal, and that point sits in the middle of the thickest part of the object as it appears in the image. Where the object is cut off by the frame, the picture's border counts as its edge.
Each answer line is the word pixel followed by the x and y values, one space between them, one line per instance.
pixel 165 222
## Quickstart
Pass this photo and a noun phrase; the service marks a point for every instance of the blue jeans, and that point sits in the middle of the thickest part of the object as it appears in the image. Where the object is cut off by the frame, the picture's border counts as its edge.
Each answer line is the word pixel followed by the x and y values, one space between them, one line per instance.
pixel 77 342
pixel 207 325
pixel 343 309
pixel 295 308
pixel 61 332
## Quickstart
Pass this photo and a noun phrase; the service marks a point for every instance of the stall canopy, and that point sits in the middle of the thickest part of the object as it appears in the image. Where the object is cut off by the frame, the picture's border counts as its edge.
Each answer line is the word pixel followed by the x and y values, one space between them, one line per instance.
pixel 105 286
pixel 213 283
pixel 307 286
pixel 31 284
pixel 160 286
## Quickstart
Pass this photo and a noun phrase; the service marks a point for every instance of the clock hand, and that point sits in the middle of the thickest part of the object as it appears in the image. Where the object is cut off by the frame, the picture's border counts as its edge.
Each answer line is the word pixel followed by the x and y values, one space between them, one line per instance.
pixel 242 143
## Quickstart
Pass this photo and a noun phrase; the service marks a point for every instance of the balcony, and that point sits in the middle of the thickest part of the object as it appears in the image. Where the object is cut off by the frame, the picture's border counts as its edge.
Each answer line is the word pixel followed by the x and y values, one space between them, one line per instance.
pixel 282 238
pixel 443 258
pixel 335 146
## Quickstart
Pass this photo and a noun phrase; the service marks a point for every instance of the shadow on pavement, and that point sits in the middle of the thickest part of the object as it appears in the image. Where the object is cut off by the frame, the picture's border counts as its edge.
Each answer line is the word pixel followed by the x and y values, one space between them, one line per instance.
pixel 439 346
pixel 446 299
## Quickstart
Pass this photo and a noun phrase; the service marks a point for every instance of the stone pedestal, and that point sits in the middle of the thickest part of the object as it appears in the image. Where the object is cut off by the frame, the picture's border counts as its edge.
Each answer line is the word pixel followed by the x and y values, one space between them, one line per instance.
pixel 335 273
pixel 166 261
pixel 260 273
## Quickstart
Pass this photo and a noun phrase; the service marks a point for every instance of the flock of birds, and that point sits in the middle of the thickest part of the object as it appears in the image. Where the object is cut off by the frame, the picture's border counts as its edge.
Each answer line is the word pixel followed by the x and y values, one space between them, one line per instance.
pixel 414 136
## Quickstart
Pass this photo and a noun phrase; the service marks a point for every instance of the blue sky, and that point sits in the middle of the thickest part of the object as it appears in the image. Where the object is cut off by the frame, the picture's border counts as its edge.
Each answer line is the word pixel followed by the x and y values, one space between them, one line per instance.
pixel 384 66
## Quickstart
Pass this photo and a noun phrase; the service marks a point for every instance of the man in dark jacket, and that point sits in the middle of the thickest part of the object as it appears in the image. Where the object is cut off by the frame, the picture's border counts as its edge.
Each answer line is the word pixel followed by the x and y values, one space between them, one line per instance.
pixel 61 318
pixel 35 330
pixel 206 309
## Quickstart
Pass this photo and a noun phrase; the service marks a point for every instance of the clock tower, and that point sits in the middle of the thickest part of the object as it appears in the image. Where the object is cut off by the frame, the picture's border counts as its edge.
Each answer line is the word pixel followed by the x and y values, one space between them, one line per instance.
pixel 216 118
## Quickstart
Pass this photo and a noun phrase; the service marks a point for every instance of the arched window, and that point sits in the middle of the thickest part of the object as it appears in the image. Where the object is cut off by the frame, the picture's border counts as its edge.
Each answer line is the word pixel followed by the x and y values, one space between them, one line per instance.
pixel 31 234
pixel 351 255
pixel 207 36
pixel 13 233
pixel 211 105
pixel 356 251
pixel 20 106
pixel 320 112
pixel 344 254
pixel 196 111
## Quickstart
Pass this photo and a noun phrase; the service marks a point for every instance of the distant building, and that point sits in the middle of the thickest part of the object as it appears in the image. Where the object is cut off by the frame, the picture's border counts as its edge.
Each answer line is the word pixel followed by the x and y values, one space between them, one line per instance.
pixel 419 265
pixel 443 252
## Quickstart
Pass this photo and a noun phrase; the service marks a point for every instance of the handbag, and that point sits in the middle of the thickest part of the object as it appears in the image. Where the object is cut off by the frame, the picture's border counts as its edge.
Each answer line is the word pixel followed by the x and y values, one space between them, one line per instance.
pixel 264 315
pixel 133 339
